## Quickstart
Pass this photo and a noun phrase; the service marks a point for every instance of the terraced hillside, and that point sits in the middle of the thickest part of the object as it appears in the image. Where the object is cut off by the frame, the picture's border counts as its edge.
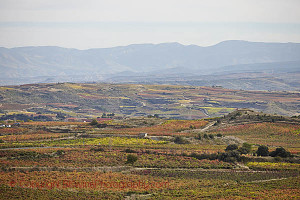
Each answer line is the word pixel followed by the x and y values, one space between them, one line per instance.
pixel 69 100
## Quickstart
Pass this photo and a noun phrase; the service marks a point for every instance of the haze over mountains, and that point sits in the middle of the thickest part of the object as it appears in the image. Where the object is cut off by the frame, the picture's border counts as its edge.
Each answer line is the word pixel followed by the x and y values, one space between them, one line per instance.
pixel 231 64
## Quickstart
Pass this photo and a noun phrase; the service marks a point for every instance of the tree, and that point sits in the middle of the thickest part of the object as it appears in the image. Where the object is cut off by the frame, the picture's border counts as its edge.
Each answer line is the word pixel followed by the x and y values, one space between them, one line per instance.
pixel 246 148
pixel 281 152
pixel 230 156
pixel 94 122
pixel 131 159
pixel 231 147
pixel 262 151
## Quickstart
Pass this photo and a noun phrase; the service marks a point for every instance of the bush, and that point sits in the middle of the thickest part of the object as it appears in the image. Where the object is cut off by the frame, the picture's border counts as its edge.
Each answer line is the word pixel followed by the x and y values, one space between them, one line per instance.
pixel 231 147
pixel 180 140
pixel 205 136
pixel 101 125
pixel 1 141
pixel 131 159
pixel 130 151
pixel 94 122
pixel 246 148
pixel 243 150
pixel 280 152
pixel 97 149
pixel 219 135
pixel 230 156
pixel 262 151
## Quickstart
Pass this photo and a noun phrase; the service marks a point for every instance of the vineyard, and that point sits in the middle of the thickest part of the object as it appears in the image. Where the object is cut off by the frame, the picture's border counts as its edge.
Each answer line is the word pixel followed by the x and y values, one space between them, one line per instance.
pixel 176 159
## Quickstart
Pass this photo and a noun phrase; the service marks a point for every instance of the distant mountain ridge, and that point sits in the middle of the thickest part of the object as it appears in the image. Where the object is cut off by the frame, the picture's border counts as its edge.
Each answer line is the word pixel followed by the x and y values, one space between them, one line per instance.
pixel 49 63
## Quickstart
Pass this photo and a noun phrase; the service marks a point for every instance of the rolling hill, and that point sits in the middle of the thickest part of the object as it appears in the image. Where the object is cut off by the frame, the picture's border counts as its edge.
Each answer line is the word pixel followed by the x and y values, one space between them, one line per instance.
pixel 177 102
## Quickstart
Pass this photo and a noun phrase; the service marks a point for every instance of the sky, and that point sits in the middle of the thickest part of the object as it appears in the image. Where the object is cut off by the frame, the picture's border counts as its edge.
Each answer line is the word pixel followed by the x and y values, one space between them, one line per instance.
pixel 85 24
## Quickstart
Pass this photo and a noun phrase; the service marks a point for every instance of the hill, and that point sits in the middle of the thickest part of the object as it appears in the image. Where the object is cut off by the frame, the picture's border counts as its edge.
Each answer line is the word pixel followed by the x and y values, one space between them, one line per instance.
pixel 70 100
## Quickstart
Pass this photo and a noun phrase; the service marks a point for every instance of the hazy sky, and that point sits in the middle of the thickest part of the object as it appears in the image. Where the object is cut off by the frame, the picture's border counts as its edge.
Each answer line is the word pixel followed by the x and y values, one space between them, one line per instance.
pixel 87 24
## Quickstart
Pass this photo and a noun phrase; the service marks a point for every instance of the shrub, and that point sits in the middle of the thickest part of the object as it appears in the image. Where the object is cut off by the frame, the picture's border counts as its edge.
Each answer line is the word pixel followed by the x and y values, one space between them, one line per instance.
pixel 231 147
pixel 101 125
pixel 230 156
pixel 243 150
pixel 131 159
pixel 219 135
pixel 94 122
pixel 262 151
pixel 1 141
pixel 180 140
pixel 246 148
pixel 97 149
pixel 130 151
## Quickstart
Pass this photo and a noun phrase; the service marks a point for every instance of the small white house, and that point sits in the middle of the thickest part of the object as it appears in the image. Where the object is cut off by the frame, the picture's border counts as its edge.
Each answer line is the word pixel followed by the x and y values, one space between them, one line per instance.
pixel 142 135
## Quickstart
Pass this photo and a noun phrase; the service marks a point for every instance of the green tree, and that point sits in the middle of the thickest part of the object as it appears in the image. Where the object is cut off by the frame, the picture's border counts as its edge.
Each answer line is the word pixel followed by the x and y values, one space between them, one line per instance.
pixel 94 122
pixel 262 151
pixel 231 147
pixel 246 148
pixel 281 152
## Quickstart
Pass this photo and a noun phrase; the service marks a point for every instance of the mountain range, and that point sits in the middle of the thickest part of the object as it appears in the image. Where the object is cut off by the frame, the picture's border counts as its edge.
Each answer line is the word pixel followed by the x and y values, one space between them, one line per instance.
pixel 234 64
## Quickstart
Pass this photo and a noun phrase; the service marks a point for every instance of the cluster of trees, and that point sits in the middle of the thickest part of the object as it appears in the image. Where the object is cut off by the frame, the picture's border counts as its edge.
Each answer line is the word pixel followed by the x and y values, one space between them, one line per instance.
pixel 232 153
pixel 104 115
pixel 279 152
pixel 94 122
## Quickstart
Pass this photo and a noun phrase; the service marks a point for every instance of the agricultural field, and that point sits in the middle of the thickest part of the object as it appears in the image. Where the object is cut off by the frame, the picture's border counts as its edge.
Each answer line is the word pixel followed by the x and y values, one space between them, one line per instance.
pixel 70 101
pixel 213 158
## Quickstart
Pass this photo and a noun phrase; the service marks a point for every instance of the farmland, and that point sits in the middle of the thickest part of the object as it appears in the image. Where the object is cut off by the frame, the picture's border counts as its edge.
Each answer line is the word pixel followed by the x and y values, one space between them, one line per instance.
pixel 70 101
pixel 108 141
pixel 178 159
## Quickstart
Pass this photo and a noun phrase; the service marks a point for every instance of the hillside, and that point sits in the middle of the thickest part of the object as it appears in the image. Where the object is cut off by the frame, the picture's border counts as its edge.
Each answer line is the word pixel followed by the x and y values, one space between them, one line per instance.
pixel 70 100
